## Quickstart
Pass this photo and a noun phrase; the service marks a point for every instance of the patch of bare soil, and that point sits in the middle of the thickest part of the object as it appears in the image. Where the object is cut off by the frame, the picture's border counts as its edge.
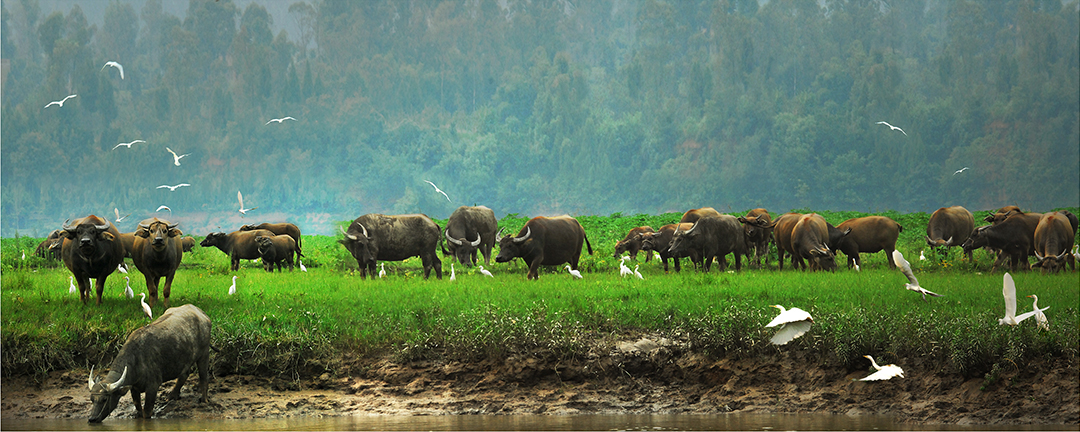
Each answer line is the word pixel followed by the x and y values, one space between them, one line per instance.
pixel 646 375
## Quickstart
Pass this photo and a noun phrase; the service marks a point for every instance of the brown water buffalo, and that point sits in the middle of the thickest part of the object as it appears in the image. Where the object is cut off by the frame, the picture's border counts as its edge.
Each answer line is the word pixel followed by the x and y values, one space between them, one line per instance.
pixel 128 240
pixel 660 242
pixel 276 250
pixel 757 228
pixel 91 249
pixel 187 243
pixel 50 247
pixel 545 241
pixel 376 237
pixel 1001 214
pixel 237 245
pixel 632 243
pixel 477 223
pixel 158 352
pixel 950 226
pixel 1054 238
pixel 809 239
pixel 782 228
pixel 278 229
pixel 868 235
pixel 1013 237
pixel 693 215
pixel 157 253
pixel 712 237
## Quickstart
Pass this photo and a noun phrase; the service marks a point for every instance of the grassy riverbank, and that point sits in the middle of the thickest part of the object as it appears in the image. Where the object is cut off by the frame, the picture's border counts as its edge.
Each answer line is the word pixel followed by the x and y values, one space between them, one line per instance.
pixel 300 324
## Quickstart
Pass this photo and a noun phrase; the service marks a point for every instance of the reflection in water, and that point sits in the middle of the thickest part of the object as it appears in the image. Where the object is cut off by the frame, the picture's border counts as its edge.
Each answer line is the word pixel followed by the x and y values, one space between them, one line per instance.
pixel 658 422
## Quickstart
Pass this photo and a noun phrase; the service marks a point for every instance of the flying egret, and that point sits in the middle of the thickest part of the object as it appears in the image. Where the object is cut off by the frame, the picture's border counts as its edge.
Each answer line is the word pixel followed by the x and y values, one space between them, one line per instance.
pixel 913 284
pixel 302 268
pixel 382 270
pixel 892 127
pixel 1008 290
pixel 172 188
pixel 793 323
pixel 164 207
pixel 72 289
pixel 279 120
pixel 176 159
pixel 452 275
pixel 116 65
pixel 59 102
pixel 573 272
pixel 118 218
pixel 961 170
pixel 637 273
pixel 1040 317
pixel 485 272
pixel 232 289
pixel 121 268
pixel 145 307
pixel 439 190
pixel 128 144
pixel 883 372
pixel 127 290
pixel 243 211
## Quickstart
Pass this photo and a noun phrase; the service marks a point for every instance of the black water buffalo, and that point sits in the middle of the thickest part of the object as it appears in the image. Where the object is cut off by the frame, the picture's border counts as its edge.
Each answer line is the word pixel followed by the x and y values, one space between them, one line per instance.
pixel 632 243
pixel 545 241
pixel 868 235
pixel 693 215
pixel 660 242
pixel 161 351
pixel 1054 238
pixel 376 237
pixel 809 237
pixel 757 229
pixel 278 249
pixel 476 223
pixel 712 237
pixel 188 243
pixel 91 249
pixel 950 226
pixel 157 253
pixel 1012 236
pixel 237 245
pixel 278 229
pixel 51 246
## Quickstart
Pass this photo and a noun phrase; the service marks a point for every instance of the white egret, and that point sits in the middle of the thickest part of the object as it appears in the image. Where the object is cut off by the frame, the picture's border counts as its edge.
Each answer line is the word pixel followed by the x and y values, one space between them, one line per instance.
pixel 439 190
pixel 128 144
pixel 922 255
pixel 72 289
pixel 127 290
pixel 232 289
pixel 24 256
pixel 60 102
pixel 172 188
pixel 164 207
pixel 176 159
pixel 892 127
pixel 116 65
pixel 279 120
pixel 121 268
pixel 145 307
pixel 1076 252
pixel 1008 290
pixel 452 275
pixel 883 372
pixel 961 170
pixel 117 211
pixel 637 273
pixel 302 268
pixel 913 284
pixel 623 269
pixel 857 267
pixel 1040 317
pixel 485 272
pixel 573 272
pixel 793 323
pixel 382 270
pixel 243 211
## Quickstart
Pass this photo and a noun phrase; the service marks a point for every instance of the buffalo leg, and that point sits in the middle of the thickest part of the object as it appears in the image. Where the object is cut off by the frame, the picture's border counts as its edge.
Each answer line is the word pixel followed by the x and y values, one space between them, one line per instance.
pixel 203 363
pixel 780 258
pixel 100 287
pixel 151 289
pixel 136 397
pixel 168 288
pixel 151 398
pixel 84 289
pixel 738 261
pixel 180 380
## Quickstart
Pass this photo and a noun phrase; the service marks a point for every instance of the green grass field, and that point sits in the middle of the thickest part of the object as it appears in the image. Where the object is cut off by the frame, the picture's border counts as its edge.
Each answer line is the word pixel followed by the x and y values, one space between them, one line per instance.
pixel 297 324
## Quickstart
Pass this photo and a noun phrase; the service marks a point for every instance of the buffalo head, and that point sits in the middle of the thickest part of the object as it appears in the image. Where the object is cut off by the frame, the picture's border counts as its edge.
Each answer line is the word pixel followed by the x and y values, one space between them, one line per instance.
pixel 977 239
pixel 822 258
pixel 105 396
pixel 158 232
pixel 264 244
pixel 511 247
pixel 360 244
pixel 87 233
pixel 1051 263
pixel 683 240
pixel 213 239
pixel 464 250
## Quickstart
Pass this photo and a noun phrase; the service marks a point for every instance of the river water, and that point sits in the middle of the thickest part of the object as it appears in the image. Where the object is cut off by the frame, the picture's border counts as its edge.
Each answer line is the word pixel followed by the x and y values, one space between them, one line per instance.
pixel 642 422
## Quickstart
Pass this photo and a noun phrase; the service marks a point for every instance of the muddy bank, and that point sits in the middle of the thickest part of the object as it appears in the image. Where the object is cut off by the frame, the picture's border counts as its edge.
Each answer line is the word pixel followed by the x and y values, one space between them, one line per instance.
pixel 634 377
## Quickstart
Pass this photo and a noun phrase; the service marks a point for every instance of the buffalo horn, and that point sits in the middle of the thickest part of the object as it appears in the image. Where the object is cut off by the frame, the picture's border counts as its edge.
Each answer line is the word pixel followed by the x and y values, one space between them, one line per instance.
pixel 143 226
pixel 1064 253
pixel 104 227
pixel 500 232
pixel 949 241
pixel 171 226
pixel 91 377
pixel 347 235
pixel 528 232
pixel 451 239
pixel 477 242
pixel 364 229
pixel 67 227
pixel 1037 256
pixel 112 387
pixel 691 228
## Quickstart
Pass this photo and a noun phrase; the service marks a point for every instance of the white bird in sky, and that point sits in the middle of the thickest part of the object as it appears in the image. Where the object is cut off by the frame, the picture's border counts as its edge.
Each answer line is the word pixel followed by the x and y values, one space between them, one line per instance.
pixel 72 289
pixel 164 208
pixel 793 323
pixel 121 268
pixel 382 270
pixel 128 144
pixel 172 188
pixel 883 372
pixel 452 275
pixel 1040 317
pixel 279 120
pixel 637 273
pixel 60 102
pixel 485 272
pixel 117 211
pixel 1008 290
pixel 439 190
pixel 892 127
pixel 127 291
pixel 243 211
pixel 176 159
pixel 573 272
pixel 961 170
pixel 116 65
pixel 913 284
pixel 145 307
pixel 232 289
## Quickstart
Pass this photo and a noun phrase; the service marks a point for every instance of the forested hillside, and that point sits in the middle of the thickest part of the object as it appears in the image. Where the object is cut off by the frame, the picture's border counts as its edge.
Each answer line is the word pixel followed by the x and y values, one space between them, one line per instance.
pixel 537 107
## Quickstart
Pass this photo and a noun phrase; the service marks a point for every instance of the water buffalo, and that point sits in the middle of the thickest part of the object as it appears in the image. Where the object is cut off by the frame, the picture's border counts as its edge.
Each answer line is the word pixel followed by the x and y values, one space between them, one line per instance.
pixel 46 248
pixel 376 237
pixel 188 243
pixel 545 241
pixel 809 237
pixel 693 215
pixel 660 242
pixel 712 237
pixel 1013 237
pixel 237 245
pixel 950 226
pixel 275 250
pixel 91 249
pixel 1054 237
pixel 868 234
pixel 757 230
pixel 782 228
pixel 1001 214
pixel 278 229
pixel 161 351
pixel 478 223
pixel 157 253
pixel 128 240
pixel 632 243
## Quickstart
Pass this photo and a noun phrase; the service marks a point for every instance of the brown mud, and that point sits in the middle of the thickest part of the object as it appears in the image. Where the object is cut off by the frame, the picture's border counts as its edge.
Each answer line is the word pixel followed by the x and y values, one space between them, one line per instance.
pixel 637 376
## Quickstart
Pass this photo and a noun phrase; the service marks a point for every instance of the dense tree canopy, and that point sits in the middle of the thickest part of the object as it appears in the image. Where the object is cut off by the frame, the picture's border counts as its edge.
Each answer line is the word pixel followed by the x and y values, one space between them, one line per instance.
pixel 538 107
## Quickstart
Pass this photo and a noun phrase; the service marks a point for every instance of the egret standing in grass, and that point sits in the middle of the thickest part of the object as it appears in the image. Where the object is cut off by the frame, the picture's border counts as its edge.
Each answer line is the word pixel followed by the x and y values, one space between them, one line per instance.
pixel 883 372
pixel 232 289
pixel 637 273
pixel 452 275
pixel 485 272
pixel 1008 290
pixel 121 268
pixel 623 269
pixel 302 268
pixel 793 323
pixel 382 270
pixel 913 284
pixel 127 291
pixel 1040 317
pixel 145 307
pixel 573 272
pixel 72 289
